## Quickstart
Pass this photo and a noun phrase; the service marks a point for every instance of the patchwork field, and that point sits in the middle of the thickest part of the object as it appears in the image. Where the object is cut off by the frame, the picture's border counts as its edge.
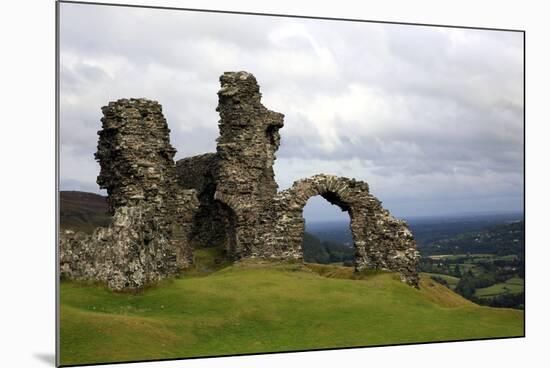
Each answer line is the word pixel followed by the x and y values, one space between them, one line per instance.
pixel 451 280
pixel 511 286
pixel 264 307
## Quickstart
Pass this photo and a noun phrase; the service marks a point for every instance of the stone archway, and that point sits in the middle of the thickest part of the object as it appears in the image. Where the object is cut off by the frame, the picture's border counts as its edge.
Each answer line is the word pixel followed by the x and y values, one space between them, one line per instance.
pixel 380 240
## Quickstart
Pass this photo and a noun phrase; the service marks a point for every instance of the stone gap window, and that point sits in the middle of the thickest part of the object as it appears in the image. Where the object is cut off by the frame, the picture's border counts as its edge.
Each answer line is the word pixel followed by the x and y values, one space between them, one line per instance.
pixel 327 237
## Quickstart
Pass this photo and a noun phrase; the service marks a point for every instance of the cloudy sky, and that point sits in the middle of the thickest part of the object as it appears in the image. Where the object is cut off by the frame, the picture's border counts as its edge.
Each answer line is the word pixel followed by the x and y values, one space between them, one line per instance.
pixel 431 118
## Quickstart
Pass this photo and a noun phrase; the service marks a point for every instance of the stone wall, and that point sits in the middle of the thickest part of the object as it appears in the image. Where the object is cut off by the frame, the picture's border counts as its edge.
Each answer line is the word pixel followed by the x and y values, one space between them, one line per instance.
pixel 211 223
pixel 152 215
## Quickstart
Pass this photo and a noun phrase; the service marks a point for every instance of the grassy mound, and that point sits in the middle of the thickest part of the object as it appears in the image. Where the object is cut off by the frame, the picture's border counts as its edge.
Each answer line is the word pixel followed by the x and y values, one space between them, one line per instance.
pixel 255 307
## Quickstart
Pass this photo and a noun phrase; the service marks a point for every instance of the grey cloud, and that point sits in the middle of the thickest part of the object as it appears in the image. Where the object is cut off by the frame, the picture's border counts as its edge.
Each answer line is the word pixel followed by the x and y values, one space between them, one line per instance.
pixel 451 110
pixel 156 36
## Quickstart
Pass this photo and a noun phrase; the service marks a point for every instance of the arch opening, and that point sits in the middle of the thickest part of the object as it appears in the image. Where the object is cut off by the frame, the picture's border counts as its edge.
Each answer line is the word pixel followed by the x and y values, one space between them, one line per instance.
pixel 229 224
pixel 327 235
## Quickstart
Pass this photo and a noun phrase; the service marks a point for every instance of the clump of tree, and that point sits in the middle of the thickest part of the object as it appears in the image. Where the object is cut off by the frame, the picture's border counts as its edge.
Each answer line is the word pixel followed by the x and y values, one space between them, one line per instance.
pixel 326 252
pixel 469 283
pixel 442 266
pixel 504 301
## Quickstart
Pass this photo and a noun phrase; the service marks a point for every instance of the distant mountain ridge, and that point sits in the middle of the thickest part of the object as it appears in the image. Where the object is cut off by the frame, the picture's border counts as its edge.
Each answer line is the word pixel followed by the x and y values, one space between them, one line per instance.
pixel 426 230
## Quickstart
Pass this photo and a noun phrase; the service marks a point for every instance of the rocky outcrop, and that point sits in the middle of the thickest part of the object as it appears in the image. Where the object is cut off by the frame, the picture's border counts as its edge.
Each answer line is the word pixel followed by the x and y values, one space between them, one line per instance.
pixel 152 214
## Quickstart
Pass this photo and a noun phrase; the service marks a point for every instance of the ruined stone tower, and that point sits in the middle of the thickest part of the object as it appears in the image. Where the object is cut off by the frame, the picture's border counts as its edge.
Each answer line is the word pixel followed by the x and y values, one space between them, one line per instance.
pixel 228 198
pixel 249 137
pixel 147 239
pixel 236 183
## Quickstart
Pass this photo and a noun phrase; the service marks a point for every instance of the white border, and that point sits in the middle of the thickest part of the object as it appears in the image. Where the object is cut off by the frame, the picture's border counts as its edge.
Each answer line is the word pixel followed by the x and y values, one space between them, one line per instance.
pixel 27 185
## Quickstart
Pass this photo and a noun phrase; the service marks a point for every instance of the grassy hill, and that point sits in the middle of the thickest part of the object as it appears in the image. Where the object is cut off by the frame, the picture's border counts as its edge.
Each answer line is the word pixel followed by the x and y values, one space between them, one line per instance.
pixel 82 211
pixel 255 307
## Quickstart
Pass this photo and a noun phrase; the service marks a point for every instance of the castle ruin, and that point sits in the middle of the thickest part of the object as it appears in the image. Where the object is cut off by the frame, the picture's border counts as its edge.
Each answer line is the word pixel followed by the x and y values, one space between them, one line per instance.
pixel 163 210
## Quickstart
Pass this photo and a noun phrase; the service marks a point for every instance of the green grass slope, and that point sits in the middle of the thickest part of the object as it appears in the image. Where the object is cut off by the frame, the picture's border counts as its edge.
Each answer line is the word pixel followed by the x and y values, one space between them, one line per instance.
pixel 263 307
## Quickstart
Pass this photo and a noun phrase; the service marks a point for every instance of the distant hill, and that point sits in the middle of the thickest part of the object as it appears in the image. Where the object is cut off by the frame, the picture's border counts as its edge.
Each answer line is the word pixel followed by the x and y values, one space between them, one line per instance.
pixel 432 229
pixel 83 211
pixel 332 231
pixel 496 234
pixel 503 239
pixel 426 230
